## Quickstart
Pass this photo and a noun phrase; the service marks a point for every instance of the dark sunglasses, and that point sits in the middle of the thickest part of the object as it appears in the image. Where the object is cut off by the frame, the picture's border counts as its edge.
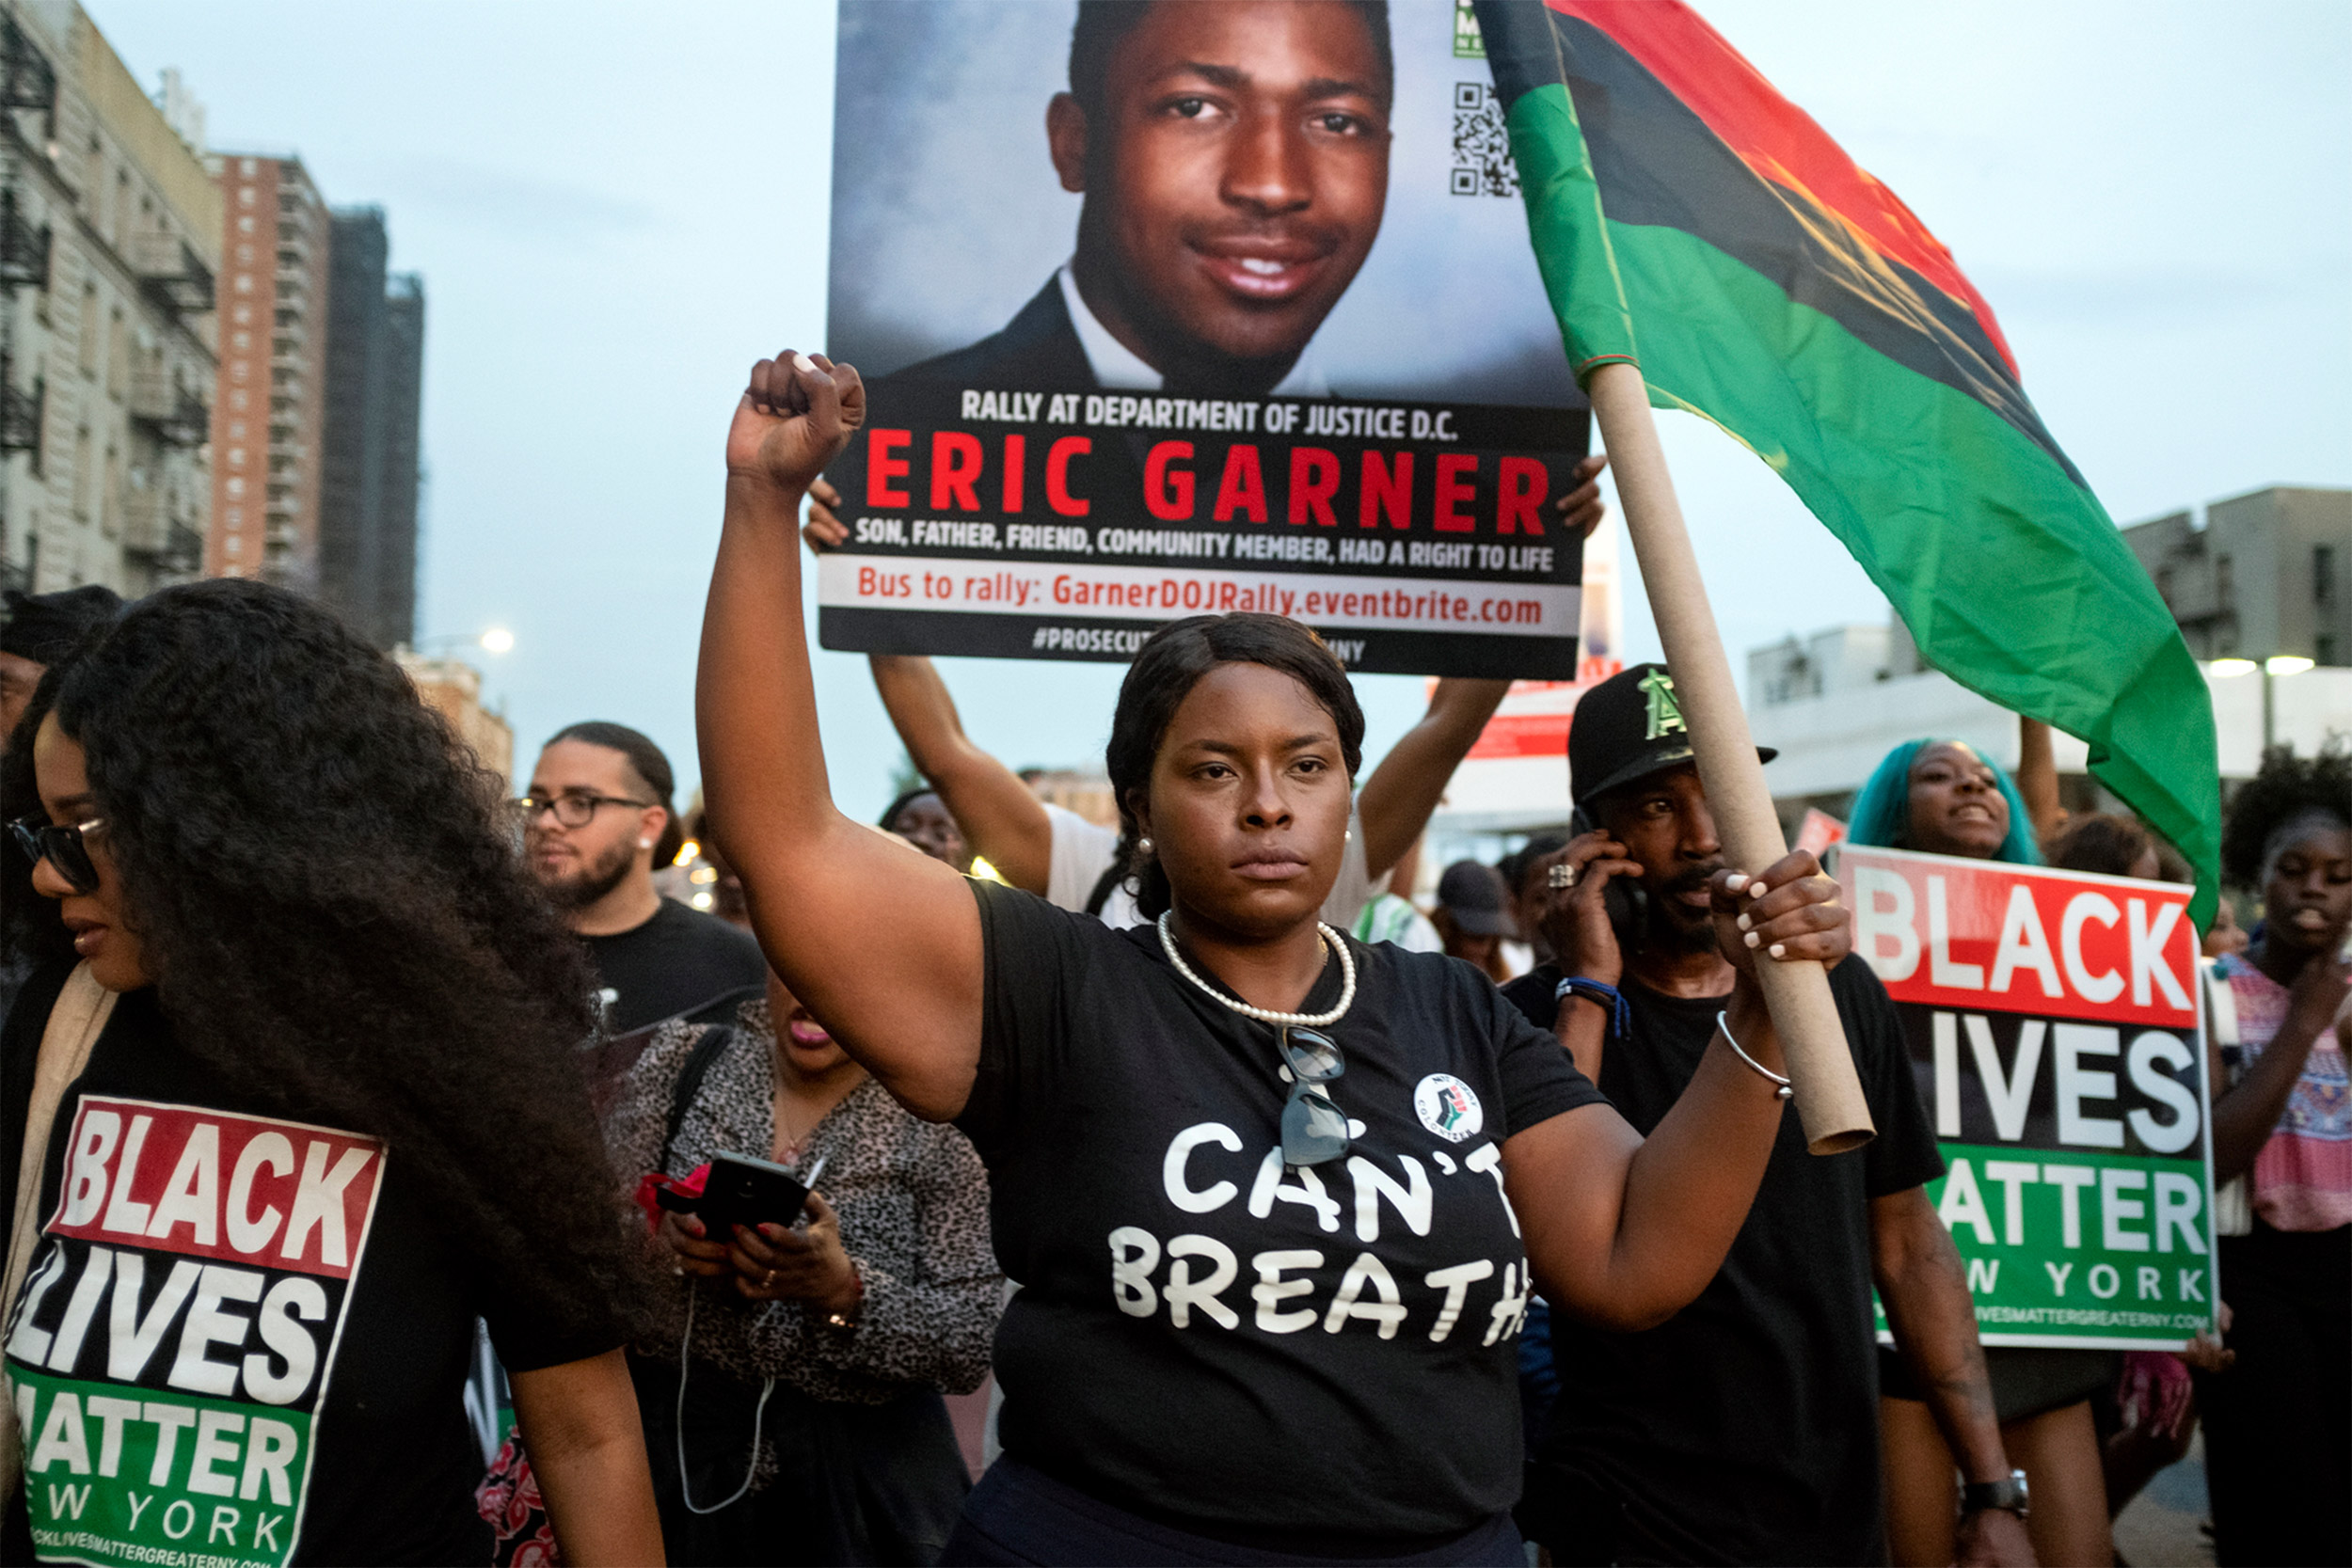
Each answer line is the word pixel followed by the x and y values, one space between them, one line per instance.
pixel 1315 1130
pixel 62 847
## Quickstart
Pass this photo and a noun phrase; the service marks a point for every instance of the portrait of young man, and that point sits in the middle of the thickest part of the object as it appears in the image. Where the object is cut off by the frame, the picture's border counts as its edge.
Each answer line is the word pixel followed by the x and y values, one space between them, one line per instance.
pixel 1232 158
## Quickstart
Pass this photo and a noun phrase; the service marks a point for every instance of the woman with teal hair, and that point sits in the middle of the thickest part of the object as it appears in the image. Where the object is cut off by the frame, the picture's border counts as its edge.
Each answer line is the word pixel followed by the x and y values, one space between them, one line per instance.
pixel 1942 797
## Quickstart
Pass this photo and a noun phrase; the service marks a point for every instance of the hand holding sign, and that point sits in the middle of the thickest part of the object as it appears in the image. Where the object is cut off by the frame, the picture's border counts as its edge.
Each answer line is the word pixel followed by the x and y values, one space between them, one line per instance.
pixel 1581 510
pixel 825 530
pixel 797 414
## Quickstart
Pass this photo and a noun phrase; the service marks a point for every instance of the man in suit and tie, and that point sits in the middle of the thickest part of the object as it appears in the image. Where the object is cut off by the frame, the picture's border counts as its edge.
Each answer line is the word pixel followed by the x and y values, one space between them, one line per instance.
pixel 1234 160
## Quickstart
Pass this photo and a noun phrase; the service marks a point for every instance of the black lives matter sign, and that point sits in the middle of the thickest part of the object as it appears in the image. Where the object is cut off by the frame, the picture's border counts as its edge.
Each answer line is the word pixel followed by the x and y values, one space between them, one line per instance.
pixel 1416 538
pixel 2054 1033
pixel 170 1350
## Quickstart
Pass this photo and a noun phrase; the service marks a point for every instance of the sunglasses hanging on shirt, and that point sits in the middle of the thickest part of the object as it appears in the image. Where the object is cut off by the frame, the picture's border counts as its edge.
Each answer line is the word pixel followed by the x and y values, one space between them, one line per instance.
pixel 1315 1130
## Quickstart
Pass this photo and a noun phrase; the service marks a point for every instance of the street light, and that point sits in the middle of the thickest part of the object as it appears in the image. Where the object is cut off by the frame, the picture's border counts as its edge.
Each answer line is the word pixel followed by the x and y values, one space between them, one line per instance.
pixel 2274 667
pixel 2271 668
pixel 497 640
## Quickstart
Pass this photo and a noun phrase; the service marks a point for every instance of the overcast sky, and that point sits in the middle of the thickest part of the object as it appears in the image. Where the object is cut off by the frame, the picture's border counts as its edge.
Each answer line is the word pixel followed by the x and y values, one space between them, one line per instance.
pixel 616 208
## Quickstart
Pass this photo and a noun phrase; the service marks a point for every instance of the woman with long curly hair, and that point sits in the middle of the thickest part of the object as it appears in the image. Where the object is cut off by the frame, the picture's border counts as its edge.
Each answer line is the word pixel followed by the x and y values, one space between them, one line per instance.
pixel 2279 1423
pixel 1276 1201
pixel 303 1111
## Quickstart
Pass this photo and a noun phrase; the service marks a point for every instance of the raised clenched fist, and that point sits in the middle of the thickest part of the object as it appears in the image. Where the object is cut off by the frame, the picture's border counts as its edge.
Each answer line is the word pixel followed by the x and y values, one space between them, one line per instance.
pixel 797 414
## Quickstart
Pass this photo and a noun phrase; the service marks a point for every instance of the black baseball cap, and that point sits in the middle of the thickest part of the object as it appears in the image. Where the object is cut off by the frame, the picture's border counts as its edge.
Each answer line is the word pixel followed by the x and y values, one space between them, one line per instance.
pixel 1627 728
pixel 1471 892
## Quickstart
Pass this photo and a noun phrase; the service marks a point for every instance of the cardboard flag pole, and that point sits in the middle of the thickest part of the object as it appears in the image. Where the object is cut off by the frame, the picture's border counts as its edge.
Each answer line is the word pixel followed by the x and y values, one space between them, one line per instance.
pixel 1820 1066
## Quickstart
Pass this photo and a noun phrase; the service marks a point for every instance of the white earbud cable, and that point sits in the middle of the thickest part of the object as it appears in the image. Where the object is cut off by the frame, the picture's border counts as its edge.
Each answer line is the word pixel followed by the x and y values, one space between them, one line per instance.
pixel 759 1416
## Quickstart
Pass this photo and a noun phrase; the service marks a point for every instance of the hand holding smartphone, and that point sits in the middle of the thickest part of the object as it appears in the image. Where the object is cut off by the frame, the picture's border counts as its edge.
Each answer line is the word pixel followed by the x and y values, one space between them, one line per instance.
pixel 740 1190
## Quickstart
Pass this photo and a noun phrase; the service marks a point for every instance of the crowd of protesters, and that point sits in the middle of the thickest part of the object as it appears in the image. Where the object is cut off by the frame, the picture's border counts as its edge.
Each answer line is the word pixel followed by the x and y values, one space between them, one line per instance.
pixel 1289 1220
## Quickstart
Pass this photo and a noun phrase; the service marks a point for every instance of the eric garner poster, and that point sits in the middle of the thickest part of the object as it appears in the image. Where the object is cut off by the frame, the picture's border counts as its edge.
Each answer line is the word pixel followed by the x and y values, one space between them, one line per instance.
pixel 1177 308
pixel 2053 1022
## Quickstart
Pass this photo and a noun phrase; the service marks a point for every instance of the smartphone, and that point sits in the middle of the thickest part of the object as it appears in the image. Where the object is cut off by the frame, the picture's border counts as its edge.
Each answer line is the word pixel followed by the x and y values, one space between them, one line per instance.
pixel 1625 901
pixel 750 1193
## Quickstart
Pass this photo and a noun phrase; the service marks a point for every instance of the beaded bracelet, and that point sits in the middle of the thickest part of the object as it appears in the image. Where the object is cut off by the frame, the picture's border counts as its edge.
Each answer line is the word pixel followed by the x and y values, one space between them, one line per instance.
pixel 1611 1001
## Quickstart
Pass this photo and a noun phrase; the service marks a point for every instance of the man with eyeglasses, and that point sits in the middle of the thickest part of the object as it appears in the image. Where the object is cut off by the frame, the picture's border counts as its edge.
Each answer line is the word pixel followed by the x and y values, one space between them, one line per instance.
pixel 595 822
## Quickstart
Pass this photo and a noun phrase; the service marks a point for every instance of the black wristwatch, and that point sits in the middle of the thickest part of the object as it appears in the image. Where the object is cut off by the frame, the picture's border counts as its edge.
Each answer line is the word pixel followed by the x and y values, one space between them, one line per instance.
pixel 2008 1495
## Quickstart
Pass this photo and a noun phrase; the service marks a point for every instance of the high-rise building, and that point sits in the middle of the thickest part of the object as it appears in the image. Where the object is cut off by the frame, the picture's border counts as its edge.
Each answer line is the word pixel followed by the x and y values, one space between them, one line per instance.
pixel 452 688
pixel 395 578
pixel 110 233
pixel 374 394
pixel 273 361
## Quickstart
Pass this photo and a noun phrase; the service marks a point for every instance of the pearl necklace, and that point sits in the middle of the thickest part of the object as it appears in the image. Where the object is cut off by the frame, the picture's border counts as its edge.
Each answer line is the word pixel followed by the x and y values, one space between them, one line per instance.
pixel 1267 1015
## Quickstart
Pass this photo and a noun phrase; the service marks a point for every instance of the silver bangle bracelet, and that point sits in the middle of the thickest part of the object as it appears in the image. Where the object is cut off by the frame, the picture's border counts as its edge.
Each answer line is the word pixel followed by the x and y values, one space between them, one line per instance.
pixel 1781 1089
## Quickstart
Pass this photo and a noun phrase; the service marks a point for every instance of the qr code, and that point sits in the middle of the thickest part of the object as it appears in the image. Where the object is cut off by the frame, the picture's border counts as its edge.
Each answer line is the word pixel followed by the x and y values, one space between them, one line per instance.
pixel 1482 145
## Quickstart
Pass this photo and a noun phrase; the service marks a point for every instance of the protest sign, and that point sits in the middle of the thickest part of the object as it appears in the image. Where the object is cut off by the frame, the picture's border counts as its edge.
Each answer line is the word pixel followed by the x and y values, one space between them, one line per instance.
pixel 2052 1025
pixel 1180 309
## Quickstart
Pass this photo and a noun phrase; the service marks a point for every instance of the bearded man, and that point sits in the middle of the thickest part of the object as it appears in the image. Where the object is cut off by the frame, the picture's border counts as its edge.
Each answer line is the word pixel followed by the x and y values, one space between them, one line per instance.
pixel 597 821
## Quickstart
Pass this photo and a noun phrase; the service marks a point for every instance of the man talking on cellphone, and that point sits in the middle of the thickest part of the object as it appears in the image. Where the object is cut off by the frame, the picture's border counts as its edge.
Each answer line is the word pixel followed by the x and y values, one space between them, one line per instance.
pixel 1745 1428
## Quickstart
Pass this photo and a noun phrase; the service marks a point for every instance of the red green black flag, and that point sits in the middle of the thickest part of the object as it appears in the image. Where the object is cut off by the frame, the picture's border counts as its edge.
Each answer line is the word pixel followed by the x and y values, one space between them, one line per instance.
pixel 1690 220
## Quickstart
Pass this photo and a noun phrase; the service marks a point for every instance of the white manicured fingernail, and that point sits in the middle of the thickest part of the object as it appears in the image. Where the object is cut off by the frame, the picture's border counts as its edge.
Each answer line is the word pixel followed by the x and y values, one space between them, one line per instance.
pixel 1778 951
pixel 1745 923
pixel 803 362
pixel 1752 938
pixel 1758 890
pixel 1738 881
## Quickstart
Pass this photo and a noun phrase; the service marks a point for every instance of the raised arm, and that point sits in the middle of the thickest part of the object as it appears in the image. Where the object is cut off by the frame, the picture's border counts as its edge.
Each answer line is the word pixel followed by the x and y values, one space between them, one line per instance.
pixel 1400 793
pixel 1625 1232
pixel 1001 820
pixel 882 942
pixel 1406 788
pixel 2037 778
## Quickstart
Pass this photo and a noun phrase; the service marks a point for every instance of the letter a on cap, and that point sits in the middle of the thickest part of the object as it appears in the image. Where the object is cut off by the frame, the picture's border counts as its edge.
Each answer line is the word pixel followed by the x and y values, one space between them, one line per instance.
pixel 1666 716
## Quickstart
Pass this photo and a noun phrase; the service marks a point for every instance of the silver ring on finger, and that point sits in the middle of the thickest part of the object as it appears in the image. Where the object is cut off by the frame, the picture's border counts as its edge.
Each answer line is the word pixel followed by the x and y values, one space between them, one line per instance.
pixel 1563 877
pixel 768 1283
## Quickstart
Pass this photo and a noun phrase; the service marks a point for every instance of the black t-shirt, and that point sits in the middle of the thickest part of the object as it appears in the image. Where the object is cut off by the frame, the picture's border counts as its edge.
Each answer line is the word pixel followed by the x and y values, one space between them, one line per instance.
pixel 678 959
pixel 242 1336
pixel 1312 1359
pixel 1745 1428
